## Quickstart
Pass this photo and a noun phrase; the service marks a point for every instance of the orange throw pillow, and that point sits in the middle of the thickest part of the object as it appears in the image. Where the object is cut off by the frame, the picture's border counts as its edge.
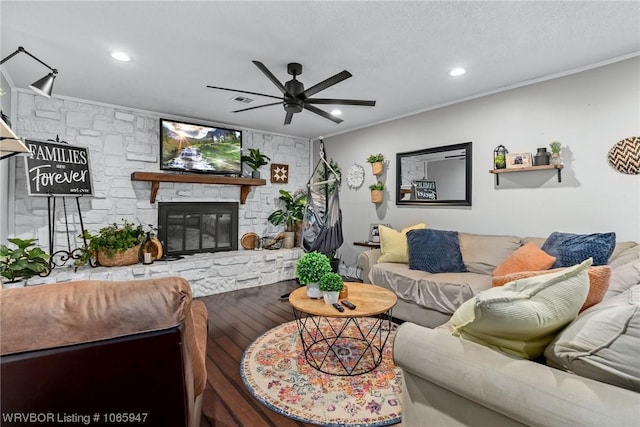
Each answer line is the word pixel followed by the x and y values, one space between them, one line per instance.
pixel 526 258
pixel 599 277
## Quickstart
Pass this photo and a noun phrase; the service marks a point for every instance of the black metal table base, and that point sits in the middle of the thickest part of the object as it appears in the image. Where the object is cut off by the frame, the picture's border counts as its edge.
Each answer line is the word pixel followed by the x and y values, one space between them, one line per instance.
pixel 343 346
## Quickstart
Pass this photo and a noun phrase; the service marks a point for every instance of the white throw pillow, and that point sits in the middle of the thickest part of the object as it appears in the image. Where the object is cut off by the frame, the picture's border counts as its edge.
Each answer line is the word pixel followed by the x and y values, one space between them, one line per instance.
pixel 523 316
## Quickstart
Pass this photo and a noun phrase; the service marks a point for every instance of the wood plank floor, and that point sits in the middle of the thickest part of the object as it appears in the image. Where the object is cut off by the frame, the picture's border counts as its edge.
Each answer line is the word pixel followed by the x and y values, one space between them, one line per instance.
pixel 235 320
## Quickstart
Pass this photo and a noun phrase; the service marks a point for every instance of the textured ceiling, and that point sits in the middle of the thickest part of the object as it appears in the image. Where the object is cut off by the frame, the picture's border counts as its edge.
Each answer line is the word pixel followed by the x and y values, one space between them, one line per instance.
pixel 398 52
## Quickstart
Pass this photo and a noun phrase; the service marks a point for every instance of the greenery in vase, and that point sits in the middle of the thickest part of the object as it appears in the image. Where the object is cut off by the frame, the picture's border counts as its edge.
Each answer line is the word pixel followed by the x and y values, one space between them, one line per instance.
pixel 375 158
pixel 311 267
pixel 293 211
pixel 331 282
pixel 500 161
pixel 24 261
pixel 112 239
pixel 378 186
pixel 555 147
pixel 255 159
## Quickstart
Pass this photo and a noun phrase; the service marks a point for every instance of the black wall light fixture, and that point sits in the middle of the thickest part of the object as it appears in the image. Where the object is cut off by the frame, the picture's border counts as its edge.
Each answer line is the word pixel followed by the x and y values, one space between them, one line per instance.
pixel 43 86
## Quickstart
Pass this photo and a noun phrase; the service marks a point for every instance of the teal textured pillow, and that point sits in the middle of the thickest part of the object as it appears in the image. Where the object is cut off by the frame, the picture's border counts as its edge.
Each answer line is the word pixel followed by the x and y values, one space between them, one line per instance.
pixel 435 251
pixel 523 316
pixel 571 249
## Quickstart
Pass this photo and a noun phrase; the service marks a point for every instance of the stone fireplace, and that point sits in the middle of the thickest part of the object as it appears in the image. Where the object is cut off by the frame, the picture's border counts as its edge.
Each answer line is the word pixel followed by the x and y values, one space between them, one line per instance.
pixel 186 228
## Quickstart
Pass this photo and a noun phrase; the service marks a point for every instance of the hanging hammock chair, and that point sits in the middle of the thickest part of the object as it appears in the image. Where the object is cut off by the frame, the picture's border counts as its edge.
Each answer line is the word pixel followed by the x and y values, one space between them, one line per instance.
pixel 322 223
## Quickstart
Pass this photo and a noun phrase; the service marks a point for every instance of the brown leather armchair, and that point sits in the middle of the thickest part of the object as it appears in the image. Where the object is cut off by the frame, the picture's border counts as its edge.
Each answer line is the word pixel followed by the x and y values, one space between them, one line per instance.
pixel 112 350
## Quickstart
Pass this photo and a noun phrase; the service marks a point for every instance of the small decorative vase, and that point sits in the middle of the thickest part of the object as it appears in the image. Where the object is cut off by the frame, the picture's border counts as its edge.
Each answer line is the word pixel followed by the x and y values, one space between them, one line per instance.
pixel 330 297
pixel 289 239
pixel 313 290
pixel 376 196
pixel 542 157
pixel 556 159
pixel 344 293
pixel 377 168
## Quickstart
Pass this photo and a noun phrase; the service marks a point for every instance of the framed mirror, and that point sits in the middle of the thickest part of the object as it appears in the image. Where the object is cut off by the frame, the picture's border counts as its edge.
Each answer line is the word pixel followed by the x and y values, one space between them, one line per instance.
pixel 438 176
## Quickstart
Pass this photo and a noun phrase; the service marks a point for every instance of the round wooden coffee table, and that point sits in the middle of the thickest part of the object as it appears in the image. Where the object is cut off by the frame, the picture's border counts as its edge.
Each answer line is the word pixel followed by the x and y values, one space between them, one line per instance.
pixel 344 343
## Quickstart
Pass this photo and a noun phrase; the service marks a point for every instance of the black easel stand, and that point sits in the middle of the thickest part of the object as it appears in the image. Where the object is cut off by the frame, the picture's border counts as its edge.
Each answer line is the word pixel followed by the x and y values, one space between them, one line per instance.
pixel 61 257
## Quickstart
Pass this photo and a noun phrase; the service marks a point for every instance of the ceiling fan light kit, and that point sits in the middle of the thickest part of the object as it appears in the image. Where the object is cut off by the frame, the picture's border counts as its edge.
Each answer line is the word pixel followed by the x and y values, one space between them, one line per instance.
pixel 295 98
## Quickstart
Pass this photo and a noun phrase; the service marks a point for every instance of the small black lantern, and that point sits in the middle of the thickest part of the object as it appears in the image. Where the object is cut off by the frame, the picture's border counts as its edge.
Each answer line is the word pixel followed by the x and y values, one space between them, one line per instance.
pixel 500 157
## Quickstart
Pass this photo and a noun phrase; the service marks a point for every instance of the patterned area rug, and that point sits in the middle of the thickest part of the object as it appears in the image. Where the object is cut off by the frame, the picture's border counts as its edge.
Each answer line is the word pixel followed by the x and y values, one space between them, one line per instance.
pixel 276 373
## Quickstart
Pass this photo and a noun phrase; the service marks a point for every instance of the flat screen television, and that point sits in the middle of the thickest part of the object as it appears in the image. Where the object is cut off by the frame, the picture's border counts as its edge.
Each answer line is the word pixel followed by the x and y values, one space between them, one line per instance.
pixel 189 147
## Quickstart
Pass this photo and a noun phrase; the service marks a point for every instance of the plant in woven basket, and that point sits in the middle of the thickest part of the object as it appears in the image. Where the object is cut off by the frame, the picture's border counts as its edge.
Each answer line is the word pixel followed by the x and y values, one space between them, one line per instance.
pixel 112 240
pixel 311 267
pixel 24 261
pixel 331 282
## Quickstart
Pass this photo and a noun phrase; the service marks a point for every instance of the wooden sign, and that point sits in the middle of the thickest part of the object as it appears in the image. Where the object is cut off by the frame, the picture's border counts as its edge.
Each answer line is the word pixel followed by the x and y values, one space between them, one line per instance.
pixel 425 190
pixel 279 173
pixel 55 169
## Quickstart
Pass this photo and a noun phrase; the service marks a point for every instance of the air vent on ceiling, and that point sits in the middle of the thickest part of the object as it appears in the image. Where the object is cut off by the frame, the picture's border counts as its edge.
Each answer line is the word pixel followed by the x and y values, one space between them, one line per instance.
pixel 243 99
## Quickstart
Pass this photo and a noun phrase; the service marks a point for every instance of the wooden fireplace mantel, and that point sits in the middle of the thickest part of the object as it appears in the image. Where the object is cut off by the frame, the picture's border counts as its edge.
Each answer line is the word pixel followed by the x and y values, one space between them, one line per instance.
pixel 157 177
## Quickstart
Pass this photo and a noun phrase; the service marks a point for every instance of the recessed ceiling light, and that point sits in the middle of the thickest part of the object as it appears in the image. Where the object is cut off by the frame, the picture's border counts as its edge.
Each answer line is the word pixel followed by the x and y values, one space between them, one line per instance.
pixel 457 72
pixel 120 56
pixel 336 112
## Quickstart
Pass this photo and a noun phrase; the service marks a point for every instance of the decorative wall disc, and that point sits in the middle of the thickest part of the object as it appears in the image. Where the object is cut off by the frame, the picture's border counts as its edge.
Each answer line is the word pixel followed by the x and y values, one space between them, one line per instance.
pixel 624 156
pixel 355 176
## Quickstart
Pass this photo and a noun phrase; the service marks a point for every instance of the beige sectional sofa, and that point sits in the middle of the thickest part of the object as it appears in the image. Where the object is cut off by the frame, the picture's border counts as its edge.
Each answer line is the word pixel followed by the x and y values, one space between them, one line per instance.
pixel 430 299
pixel 591 375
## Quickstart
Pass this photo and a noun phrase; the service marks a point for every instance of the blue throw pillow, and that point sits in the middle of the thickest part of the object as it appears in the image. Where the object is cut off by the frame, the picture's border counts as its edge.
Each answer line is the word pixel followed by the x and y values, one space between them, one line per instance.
pixel 435 251
pixel 571 249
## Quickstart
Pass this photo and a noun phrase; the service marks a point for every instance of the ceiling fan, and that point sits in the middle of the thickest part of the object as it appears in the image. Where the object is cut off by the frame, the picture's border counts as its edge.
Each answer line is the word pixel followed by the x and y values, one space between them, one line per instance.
pixel 295 98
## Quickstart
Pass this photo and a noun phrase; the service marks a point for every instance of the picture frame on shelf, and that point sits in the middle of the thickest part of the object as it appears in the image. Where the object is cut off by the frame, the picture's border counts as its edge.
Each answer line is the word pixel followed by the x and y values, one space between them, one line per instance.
pixel 374 232
pixel 519 160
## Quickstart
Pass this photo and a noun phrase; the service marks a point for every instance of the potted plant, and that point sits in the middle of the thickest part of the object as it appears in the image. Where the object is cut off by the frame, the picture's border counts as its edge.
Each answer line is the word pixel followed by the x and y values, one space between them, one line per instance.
pixel 23 262
pixel 114 245
pixel 377 192
pixel 291 215
pixel 255 160
pixel 309 270
pixel 331 284
pixel 377 163
pixel 556 147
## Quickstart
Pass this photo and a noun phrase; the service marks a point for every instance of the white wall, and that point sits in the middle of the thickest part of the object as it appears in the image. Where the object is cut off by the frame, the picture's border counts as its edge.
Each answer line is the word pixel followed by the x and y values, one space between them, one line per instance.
pixel 120 141
pixel 587 112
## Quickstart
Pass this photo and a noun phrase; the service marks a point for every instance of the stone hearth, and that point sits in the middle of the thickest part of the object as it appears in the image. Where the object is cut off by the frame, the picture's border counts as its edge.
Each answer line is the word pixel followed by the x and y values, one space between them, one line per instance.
pixel 208 274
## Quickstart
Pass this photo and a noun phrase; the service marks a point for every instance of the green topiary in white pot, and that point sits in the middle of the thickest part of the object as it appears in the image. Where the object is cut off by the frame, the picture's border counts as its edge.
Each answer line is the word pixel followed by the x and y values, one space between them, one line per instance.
pixel 331 284
pixel 309 270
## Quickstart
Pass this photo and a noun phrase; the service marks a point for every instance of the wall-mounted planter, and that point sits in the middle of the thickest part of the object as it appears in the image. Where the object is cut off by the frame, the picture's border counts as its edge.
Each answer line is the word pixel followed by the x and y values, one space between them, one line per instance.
pixel 377 168
pixel 376 196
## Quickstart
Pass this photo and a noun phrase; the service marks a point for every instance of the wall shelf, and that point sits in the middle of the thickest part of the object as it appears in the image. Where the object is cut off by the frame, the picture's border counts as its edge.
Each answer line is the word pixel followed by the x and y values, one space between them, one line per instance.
pixel 157 177
pixel 497 172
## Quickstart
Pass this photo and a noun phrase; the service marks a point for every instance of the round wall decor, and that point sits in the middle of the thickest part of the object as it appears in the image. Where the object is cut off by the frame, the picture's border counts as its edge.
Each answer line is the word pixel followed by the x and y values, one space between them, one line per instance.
pixel 355 176
pixel 624 156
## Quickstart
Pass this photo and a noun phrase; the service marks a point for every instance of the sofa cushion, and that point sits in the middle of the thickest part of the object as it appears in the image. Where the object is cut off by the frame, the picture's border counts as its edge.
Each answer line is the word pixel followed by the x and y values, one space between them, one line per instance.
pixel 434 251
pixel 603 342
pixel 623 253
pixel 528 257
pixel 393 243
pixel 570 249
pixel 523 316
pixel 623 278
pixel 483 253
pixel 599 278
pixel 442 292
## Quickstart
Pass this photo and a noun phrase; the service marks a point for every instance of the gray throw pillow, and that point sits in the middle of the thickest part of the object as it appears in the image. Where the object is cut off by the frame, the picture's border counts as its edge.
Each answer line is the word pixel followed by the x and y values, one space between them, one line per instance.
pixel 603 342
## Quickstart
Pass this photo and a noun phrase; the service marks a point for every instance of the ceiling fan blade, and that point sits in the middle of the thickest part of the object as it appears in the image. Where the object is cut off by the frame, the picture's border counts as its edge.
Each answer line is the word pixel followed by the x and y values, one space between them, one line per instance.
pixel 322 113
pixel 258 106
pixel 271 77
pixel 288 117
pixel 244 91
pixel 341 101
pixel 342 75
